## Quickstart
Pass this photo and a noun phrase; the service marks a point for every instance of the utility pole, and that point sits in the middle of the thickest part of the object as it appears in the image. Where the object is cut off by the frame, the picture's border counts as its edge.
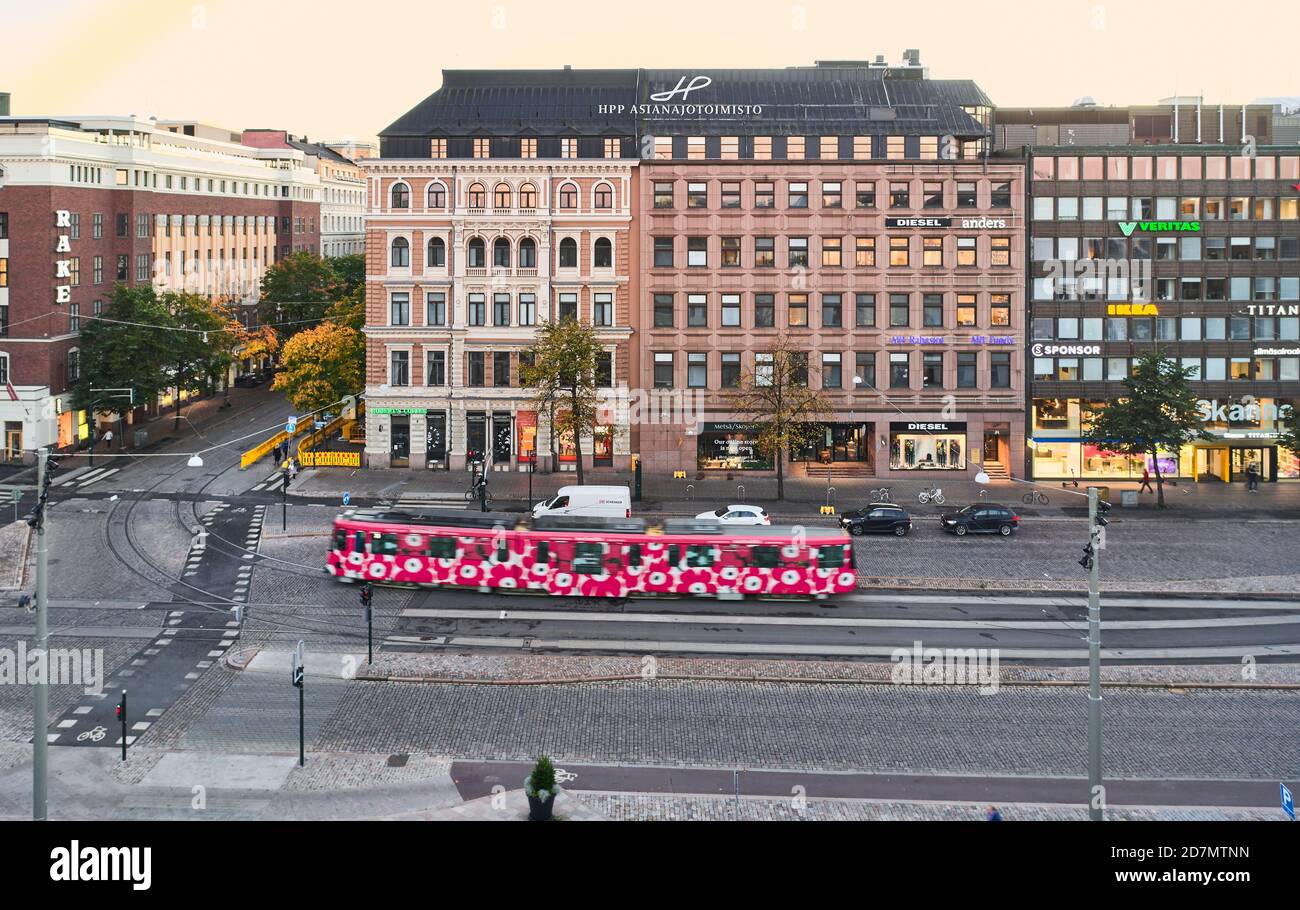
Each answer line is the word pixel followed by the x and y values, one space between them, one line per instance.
pixel 40 726
pixel 1096 524
pixel 299 674
pixel 121 716
pixel 367 594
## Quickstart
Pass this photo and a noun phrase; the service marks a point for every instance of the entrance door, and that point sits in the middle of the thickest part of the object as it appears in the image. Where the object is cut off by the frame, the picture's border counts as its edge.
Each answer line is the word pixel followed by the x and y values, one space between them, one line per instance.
pixel 849 442
pixel 1242 459
pixel 993 447
pixel 400 450
pixel 13 442
pixel 1212 464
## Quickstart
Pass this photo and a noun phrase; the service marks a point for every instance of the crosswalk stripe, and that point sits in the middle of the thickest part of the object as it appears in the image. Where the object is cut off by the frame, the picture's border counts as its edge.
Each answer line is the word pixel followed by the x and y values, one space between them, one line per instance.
pixel 80 477
pixel 109 473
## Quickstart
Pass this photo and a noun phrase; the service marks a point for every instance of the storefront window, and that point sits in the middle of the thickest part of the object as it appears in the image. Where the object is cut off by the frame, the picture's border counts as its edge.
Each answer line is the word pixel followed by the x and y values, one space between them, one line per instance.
pixel 927 446
pixel 732 447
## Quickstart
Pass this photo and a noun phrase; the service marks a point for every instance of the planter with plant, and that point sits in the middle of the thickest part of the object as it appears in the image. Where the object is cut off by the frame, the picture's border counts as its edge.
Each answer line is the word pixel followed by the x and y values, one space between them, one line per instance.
pixel 541 789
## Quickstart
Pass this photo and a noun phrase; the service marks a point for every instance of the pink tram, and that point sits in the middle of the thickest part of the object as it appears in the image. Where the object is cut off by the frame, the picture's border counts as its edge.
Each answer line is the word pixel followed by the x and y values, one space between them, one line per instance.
pixel 589 557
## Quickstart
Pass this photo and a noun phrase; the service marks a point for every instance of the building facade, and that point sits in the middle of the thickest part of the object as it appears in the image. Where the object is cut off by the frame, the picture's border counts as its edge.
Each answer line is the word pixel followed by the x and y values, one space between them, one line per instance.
pixel 342 190
pixel 89 203
pixel 1173 230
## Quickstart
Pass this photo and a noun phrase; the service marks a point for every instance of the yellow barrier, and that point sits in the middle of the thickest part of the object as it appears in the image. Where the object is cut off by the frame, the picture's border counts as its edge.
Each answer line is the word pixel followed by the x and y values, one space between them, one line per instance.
pixel 828 510
pixel 330 459
pixel 257 452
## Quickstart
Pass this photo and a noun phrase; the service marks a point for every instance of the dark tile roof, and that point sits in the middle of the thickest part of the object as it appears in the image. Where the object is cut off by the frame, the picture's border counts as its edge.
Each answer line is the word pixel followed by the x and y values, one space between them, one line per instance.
pixel 816 100
pixel 319 151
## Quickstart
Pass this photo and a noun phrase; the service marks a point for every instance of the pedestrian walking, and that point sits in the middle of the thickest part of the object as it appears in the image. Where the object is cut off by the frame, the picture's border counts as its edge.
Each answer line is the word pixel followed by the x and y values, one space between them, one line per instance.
pixel 1252 478
pixel 993 814
pixel 293 470
pixel 1146 481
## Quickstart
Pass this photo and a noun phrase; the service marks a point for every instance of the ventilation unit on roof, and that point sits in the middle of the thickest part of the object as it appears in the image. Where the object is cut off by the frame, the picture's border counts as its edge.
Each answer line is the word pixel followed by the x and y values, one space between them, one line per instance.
pixel 1085 101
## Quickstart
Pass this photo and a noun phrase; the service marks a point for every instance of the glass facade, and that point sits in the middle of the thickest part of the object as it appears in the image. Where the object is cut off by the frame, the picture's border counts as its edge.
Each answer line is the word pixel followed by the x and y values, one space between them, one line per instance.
pixel 927 446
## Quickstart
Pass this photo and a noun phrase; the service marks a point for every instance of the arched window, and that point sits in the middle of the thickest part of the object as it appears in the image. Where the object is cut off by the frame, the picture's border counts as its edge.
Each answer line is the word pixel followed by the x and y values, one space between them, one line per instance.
pixel 568 253
pixel 527 196
pixel 568 196
pixel 437 258
pixel 527 253
pixel 501 253
pixel 604 197
pixel 477 196
pixel 604 257
pixel 401 196
pixel 501 196
pixel 477 254
pixel 401 253
pixel 437 196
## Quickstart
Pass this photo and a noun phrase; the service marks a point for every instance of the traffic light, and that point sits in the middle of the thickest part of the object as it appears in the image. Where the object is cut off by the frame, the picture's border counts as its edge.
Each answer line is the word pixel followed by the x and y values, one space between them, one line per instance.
pixel 1102 508
pixel 1088 554
pixel 36 518
pixel 119 711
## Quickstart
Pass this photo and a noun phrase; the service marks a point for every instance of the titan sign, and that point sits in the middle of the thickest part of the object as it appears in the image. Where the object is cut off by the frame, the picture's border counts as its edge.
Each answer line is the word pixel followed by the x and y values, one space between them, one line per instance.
pixel 1156 227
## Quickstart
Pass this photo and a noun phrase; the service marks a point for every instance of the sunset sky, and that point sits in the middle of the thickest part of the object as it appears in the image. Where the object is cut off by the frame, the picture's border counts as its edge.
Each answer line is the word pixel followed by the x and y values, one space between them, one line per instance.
pixel 331 69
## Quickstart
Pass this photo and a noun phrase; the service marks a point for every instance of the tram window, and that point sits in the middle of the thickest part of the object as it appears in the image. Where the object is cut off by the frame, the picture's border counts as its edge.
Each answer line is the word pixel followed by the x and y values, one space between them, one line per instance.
pixel 765 557
pixel 699 557
pixel 387 544
pixel 634 554
pixel 674 554
pixel 340 540
pixel 503 552
pixel 588 558
pixel 359 541
pixel 543 551
pixel 442 548
pixel 830 557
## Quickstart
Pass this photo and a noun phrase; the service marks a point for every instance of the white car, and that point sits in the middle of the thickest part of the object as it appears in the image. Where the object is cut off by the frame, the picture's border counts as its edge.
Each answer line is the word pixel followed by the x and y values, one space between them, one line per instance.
pixel 738 515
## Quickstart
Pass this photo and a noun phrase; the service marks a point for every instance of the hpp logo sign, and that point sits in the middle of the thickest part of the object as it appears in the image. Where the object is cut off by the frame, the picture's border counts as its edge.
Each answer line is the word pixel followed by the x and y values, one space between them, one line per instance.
pixel 683 88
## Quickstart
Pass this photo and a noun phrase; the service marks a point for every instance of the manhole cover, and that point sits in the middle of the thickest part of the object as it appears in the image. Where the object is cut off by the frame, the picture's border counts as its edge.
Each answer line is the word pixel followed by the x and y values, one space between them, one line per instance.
pixel 398 761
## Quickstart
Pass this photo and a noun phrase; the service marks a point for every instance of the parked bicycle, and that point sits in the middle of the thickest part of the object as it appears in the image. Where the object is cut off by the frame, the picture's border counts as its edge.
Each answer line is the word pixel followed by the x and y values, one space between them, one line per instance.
pixel 931 494
pixel 1035 498
pixel 880 495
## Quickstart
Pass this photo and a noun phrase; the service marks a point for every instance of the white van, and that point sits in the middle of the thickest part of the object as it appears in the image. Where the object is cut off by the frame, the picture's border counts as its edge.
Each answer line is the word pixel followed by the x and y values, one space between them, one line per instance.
pixel 609 502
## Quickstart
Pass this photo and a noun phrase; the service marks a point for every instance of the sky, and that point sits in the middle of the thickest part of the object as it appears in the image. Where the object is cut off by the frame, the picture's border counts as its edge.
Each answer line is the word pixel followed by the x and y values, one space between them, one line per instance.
pixel 342 69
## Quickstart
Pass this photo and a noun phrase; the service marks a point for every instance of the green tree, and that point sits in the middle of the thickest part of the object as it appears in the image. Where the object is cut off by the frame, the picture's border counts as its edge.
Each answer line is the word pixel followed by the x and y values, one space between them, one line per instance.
pixel 296 291
pixel 127 347
pixel 560 368
pixel 1158 412
pixel 350 271
pixel 321 365
pixel 778 399
pixel 1289 436
pixel 199 343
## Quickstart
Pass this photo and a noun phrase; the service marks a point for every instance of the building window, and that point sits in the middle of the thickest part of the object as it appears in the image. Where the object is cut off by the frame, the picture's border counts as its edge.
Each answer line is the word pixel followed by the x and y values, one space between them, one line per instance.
pixel 501 369
pixel 502 196
pixel 568 196
pixel 435 308
pixel 123 267
pixel 932 310
pixel 697 195
pixel 663 311
pixel 569 147
pixel 568 253
pixel 932 371
pixel 730 252
pixel 899 377
pixel 999 251
pixel 866 196
pixel 1000 309
pixel 437 258
pixel 762 148
pixel 864 370
pixel 764 252
pixel 482 148
pixel 477 306
pixel 399 309
pixel 730 370
pixel 832 251
pixel 932 251
pixel 697 310
pixel 764 311
pixel 142 267
pixel 697 371
pixel 900 196
pixel 798 196
pixel 74 366
pixel 895 148
pixel 899 253
pixel 1000 370
pixel 865 253
pixel 932 194
pixel 477 369
pixel 399 368
pixel 965 311
pixel 604 370
pixel 477 253
pixel 663 195
pixel 832 195
pixel 528 148
pixel 604 254
pixel 527 253
pixel 899 311
pixel 865 311
pixel 477 196
pixel 501 253
pixel 697 252
pixel 832 371
pixel 663 374
pixel 966 369
pixel 528 196
pixel 613 147
pixel 74 317
pixel 966 198
pixel 663 252
pixel 568 306
pixel 731 194
pixel 603 197
pixel 832 311
pixel 602 312
pixel 501 309
pixel 797 310
pixel 96 225
pixel 764 195
pixel 401 196
pixel 696 148
pixel 1000 194
pixel 436 368
pixel 965 252
pixel 730 310
pixel 527 309
pixel 794 148
pixel 798 252
pixel 401 257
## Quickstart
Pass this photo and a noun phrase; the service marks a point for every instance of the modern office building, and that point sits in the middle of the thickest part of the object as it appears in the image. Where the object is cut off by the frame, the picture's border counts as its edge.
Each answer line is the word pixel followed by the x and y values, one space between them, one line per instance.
pixel 1175 228
pixel 849 207
pixel 90 202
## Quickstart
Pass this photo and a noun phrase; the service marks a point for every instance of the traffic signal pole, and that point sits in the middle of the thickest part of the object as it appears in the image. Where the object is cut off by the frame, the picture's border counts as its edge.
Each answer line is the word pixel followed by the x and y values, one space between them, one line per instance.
pixel 41 721
pixel 1095 790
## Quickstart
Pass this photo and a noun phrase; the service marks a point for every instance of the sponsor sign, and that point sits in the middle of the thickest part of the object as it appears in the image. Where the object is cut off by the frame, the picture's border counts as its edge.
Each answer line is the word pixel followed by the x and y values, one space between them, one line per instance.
pixel 1068 350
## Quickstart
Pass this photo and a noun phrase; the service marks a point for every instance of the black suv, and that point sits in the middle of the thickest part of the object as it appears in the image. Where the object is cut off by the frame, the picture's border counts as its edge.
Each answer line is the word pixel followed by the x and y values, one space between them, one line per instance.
pixel 877 520
pixel 984 518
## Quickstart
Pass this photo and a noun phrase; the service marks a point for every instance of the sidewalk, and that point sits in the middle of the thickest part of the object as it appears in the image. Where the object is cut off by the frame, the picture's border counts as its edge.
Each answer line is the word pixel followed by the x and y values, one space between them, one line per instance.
pixel 802 495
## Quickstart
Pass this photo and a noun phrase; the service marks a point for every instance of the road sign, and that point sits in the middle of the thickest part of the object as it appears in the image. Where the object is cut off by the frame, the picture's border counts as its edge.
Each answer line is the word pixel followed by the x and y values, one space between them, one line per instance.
pixel 291 425
pixel 1288 802
pixel 16 494
pixel 347 497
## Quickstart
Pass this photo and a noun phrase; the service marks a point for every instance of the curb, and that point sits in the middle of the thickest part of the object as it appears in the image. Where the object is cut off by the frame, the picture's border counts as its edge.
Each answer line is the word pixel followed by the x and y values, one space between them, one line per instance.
pixel 864 584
